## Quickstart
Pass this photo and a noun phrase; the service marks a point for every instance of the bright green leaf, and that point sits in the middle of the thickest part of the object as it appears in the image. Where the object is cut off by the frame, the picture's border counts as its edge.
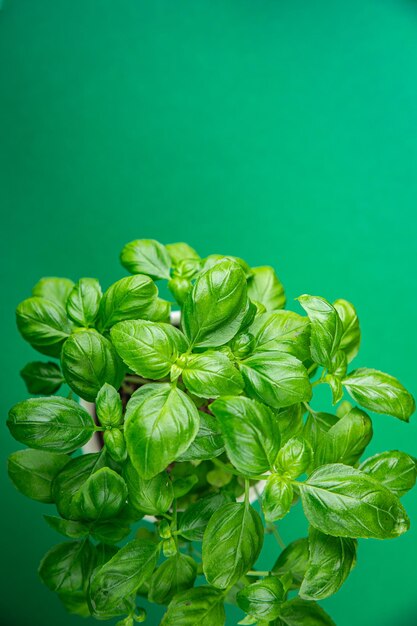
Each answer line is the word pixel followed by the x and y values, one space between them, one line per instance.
pixel 146 256
pixel 326 329
pixel 265 287
pixel 211 374
pixel 84 301
pixel 394 469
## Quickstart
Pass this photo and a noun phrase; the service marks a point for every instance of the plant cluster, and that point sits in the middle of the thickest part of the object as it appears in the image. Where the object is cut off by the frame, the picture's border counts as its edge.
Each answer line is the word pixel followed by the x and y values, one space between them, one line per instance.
pixel 192 419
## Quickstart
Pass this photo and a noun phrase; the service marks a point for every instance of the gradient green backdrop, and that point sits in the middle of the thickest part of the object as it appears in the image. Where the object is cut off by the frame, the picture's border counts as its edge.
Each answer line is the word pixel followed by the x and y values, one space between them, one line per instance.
pixel 284 132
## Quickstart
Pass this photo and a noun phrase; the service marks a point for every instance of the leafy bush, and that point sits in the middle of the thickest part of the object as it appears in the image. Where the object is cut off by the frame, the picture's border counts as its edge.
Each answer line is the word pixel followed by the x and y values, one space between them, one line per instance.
pixel 191 419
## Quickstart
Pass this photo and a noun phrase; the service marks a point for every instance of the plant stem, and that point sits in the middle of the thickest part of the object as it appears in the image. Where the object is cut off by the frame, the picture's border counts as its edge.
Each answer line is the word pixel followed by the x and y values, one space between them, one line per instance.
pixel 277 536
pixel 253 572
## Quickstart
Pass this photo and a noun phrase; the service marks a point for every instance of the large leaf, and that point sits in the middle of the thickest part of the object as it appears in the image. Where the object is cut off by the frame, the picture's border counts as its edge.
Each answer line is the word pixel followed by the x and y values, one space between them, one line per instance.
pixel 194 520
pixel 295 457
pixel 326 329
pixel 211 374
pixel 250 433
pixel 351 333
pixel 380 393
pixel 277 497
pixel 265 287
pixel 42 378
pixel 102 495
pixel 129 298
pixel 43 323
pixel 342 501
pixel 262 599
pixel 84 301
pixel 231 544
pixel 32 472
pixel 298 612
pixel 284 331
pixel 161 422
pixel 173 576
pixel 51 423
pixel 88 361
pixel 146 256
pixel 201 605
pixel 276 378
pixel 394 469
pixel 214 309
pixel 152 496
pixel 64 567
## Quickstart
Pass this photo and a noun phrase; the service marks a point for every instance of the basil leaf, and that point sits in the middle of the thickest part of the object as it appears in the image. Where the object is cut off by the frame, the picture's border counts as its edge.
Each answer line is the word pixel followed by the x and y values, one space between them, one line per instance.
pixel 299 612
pixel 160 423
pixel 128 298
pixel 263 598
pixel 290 421
pixel 276 378
pixel 43 323
pixel 214 309
pixel 84 301
pixel 88 361
pixel 32 472
pixel 173 576
pixel 293 560
pixel 51 423
pixel 265 287
pixel 115 443
pixel 194 520
pixel 64 567
pixel 231 544
pixel 211 375
pixel 394 469
pixel 284 331
pixel 152 496
pixel 158 311
pixel 351 333
pixel 326 329
pixel 68 528
pixel 148 348
pixel 336 387
pixel 295 457
pixel 180 288
pixel 342 501
pixel 70 480
pixel 242 345
pixel 109 407
pixel 53 288
pixel 110 531
pixel 42 378
pixel 380 393
pixel 316 427
pixel 181 251
pixel 102 496
pixel 201 605
pixel 250 433
pixel 120 577
pixel 146 256
pixel 208 442
pixel 331 561
pixel 277 498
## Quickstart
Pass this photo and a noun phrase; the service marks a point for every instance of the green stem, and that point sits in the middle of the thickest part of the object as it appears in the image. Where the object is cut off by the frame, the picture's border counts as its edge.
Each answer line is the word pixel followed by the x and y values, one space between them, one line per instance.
pixel 253 572
pixel 277 536
pixel 247 487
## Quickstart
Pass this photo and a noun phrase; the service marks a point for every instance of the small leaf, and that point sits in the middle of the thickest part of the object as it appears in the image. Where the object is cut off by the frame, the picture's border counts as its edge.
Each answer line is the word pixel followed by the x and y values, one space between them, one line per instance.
pixel 173 576
pixel 295 457
pixel 42 378
pixel 84 301
pixel 32 472
pixel 326 329
pixel 262 599
pixel 394 469
pixel 293 560
pixel 265 287
pixel 53 288
pixel 194 520
pixel 351 333
pixel 181 251
pixel 109 406
pixel 277 498
pixel 102 496
pixel 68 528
pixel 146 256
pixel 282 331
pixel 115 443
pixel 290 421
pixel 152 496
pixel 201 605
pixel 43 323
pixel 299 612
pixel 211 375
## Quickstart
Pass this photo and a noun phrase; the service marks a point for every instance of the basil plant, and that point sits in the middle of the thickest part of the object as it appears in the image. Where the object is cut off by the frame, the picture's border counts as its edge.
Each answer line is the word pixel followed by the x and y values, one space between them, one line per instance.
pixel 192 420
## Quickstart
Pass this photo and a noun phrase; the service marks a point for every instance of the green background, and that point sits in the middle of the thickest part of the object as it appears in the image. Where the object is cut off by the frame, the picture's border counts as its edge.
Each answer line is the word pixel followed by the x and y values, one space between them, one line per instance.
pixel 284 132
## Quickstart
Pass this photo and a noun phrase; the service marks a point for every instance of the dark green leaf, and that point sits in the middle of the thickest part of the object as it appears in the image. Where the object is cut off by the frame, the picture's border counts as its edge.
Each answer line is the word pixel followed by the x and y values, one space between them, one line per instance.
pixel 173 576
pixel 129 298
pixel 299 612
pixel 146 256
pixel 32 472
pixel 294 457
pixel 201 605
pixel 110 531
pixel 380 393
pixel 88 361
pixel 70 480
pixel 250 433
pixel 182 486
pixel 109 407
pixel 161 422
pixel 208 442
pixel 42 378
pixel 52 423
pixel 152 496
pixel 342 501
pixel 102 495
pixel 276 378
pixel 351 334
pixel 68 528
pixel 84 301
pixel 43 323
pixel 63 568
pixel 326 329
pixel 263 598
pixel 231 544
pixel 331 561
pixel 265 287
pixel 394 469
pixel 277 498
pixel 193 522
pixel 282 331
pixel 293 560
pixel 211 375
pixel 53 288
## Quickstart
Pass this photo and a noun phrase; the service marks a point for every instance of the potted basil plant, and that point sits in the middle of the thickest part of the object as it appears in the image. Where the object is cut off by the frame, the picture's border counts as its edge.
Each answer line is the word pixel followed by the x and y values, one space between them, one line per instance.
pixel 190 420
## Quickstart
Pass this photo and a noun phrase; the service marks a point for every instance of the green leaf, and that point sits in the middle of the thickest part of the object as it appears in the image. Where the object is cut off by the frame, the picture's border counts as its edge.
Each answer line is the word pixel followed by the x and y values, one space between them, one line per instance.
pixel 110 531
pixel 299 612
pixel 148 348
pixel 129 298
pixel 331 561
pixel 180 288
pixel 158 311
pixel 52 423
pixel 231 544
pixel 102 496
pixel 194 520
pixel 326 329
pixel 214 309
pixel 146 256
pixel 293 560
pixel 160 423
pixel 394 469
pixel 53 288
pixel 277 498
pixel 109 407
pixel 351 333
pixel 173 576
pixel 181 252
pixel 115 443
pixel 276 378
pixel 290 421
pixel 208 443
pixel 68 528
pixel 42 378
pixel 201 605
pixel 295 457
pixel 263 598
pixel 84 301
pixel 32 472
pixel 70 480
pixel 282 331
pixel 342 501
pixel 120 577
pixel 316 427
pixel 211 375
pixel 182 486
pixel 152 496
pixel 250 433
pixel 380 393
pixel 43 323
pixel 64 567
pixel 265 287
pixel 88 361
